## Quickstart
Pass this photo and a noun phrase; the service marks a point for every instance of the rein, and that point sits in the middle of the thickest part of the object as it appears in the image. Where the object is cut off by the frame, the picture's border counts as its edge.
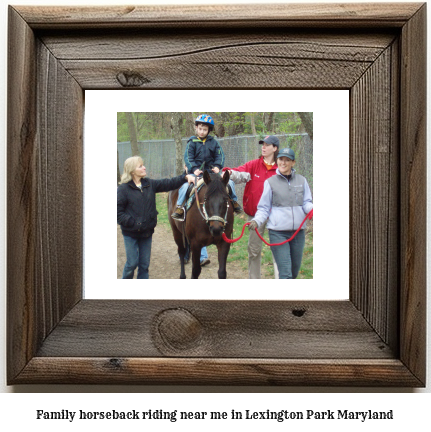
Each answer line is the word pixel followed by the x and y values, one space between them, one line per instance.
pixel 308 216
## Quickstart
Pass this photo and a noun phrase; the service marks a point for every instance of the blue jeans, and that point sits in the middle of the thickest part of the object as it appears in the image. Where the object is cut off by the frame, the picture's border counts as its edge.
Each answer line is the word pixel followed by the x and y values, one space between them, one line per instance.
pixel 183 189
pixel 138 253
pixel 288 256
pixel 204 253
pixel 182 194
pixel 232 186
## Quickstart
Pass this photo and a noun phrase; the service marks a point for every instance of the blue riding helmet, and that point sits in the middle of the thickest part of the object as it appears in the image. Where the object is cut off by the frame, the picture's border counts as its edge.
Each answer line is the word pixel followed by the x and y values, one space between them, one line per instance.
pixel 205 119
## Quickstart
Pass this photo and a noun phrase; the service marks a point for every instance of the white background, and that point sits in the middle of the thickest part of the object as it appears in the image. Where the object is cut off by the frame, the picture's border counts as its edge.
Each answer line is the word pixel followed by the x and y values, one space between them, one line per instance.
pixel 330 194
pixel 18 410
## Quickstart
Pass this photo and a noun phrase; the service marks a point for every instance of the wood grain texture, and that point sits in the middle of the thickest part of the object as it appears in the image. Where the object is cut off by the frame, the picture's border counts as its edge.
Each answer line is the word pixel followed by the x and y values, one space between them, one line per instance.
pixel 196 371
pixel 287 15
pixel 59 182
pixel 413 193
pixel 347 45
pixel 374 196
pixel 45 106
pixel 231 329
pixel 376 338
pixel 21 196
pixel 196 60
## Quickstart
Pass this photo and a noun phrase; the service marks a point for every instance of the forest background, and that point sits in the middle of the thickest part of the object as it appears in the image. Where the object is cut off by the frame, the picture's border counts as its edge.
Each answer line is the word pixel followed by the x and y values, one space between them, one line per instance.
pixel 147 126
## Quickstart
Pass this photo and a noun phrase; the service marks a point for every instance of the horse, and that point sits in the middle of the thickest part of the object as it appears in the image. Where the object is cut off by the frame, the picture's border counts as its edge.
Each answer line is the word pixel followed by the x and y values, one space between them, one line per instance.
pixel 205 226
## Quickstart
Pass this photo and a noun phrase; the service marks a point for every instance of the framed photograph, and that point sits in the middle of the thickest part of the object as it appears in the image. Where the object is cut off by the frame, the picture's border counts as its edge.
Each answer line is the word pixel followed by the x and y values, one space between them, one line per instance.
pixel 376 337
pixel 157 148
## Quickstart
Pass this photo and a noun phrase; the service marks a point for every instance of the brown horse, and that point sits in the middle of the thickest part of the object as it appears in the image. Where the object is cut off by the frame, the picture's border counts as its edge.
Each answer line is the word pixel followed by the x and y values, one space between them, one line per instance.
pixel 205 223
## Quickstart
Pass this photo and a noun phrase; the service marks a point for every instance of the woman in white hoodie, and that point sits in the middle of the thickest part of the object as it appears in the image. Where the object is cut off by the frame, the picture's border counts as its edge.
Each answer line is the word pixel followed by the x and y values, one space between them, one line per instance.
pixel 285 201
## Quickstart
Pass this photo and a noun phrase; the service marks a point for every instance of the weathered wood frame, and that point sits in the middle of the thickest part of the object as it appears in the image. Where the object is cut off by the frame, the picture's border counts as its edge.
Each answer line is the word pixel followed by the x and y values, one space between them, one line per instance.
pixel 376 338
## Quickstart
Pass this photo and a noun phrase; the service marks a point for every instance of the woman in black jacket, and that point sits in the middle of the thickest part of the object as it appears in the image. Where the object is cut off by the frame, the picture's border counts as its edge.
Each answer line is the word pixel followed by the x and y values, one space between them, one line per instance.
pixel 137 213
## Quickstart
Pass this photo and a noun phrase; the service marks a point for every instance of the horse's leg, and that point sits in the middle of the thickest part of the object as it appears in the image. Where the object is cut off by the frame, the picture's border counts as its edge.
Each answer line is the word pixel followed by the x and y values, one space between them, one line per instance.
pixel 177 232
pixel 182 253
pixel 223 251
pixel 178 237
pixel 196 260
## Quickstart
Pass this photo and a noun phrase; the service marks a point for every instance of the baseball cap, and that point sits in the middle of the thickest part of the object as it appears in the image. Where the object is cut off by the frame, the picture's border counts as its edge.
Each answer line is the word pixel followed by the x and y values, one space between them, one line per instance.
pixel 271 139
pixel 286 152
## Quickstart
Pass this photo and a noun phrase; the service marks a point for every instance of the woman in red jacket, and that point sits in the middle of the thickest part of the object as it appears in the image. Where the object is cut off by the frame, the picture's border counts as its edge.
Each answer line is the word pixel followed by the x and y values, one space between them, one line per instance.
pixel 254 173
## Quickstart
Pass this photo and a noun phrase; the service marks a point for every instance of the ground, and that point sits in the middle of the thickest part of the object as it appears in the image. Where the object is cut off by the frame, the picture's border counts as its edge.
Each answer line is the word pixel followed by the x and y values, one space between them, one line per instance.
pixel 165 262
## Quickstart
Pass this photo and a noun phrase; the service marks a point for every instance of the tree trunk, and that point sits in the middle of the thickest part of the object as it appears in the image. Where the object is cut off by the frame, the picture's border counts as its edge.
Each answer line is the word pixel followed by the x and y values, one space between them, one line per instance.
pixel 118 168
pixel 190 124
pixel 229 123
pixel 267 120
pixel 307 121
pixel 219 128
pixel 176 121
pixel 132 133
pixel 237 123
pixel 253 124
pixel 306 150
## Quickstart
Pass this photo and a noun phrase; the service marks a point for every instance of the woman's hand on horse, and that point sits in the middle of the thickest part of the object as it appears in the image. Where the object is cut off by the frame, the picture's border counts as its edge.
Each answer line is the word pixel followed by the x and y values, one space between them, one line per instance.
pixel 190 178
pixel 197 172
pixel 216 170
pixel 252 226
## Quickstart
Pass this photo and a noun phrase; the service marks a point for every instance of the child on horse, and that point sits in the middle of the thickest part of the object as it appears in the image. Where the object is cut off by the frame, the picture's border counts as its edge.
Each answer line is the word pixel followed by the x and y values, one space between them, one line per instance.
pixel 203 152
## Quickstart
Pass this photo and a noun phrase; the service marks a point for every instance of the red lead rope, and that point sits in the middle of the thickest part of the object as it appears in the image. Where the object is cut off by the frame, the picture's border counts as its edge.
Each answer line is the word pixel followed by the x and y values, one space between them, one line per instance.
pixel 308 216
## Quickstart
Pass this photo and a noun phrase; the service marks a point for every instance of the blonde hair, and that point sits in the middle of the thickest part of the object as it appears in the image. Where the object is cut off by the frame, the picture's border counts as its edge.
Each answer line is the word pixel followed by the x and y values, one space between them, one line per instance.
pixel 130 165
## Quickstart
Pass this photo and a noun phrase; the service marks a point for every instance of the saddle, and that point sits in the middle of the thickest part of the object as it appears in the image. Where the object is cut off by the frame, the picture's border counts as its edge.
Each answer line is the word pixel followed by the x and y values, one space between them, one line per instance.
pixel 191 197
pixel 190 194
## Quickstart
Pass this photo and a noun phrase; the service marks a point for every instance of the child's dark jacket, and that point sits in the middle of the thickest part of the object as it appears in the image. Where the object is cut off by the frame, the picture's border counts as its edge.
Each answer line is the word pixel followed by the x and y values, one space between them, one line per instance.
pixel 198 152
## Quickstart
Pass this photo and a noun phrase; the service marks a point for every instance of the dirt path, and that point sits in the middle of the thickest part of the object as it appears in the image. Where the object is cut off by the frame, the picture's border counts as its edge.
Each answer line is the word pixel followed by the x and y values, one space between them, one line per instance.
pixel 165 261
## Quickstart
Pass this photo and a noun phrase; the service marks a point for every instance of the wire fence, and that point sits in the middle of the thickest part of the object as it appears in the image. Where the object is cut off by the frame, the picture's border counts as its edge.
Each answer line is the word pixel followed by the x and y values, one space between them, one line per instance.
pixel 159 155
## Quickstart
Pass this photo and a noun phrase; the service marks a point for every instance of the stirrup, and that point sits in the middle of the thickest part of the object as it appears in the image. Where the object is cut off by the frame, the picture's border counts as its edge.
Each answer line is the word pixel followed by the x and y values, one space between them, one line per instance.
pixel 178 217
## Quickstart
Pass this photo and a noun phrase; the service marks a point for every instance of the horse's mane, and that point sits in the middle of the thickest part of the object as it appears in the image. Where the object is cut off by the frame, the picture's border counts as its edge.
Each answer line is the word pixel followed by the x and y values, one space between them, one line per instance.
pixel 216 186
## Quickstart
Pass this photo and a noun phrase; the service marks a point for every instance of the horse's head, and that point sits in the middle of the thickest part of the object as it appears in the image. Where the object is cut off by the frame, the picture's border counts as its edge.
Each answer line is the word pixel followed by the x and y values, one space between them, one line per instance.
pixel 216 202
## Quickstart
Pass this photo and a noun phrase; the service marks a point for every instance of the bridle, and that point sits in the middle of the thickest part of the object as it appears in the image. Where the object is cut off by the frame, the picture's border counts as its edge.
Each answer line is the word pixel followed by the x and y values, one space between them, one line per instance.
pixel 204 213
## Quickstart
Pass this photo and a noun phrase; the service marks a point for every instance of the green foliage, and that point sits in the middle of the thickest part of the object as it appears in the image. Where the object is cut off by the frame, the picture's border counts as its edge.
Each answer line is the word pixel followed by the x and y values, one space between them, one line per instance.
pixel 122 130
pixel 157 125
pixel 306 271
pixel 238 250
pixel 292 124
pixel 162 208
pixel 283 123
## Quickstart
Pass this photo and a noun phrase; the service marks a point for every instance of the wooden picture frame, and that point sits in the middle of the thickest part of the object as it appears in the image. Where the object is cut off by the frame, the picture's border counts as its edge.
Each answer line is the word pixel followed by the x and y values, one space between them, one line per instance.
pixel 376 338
